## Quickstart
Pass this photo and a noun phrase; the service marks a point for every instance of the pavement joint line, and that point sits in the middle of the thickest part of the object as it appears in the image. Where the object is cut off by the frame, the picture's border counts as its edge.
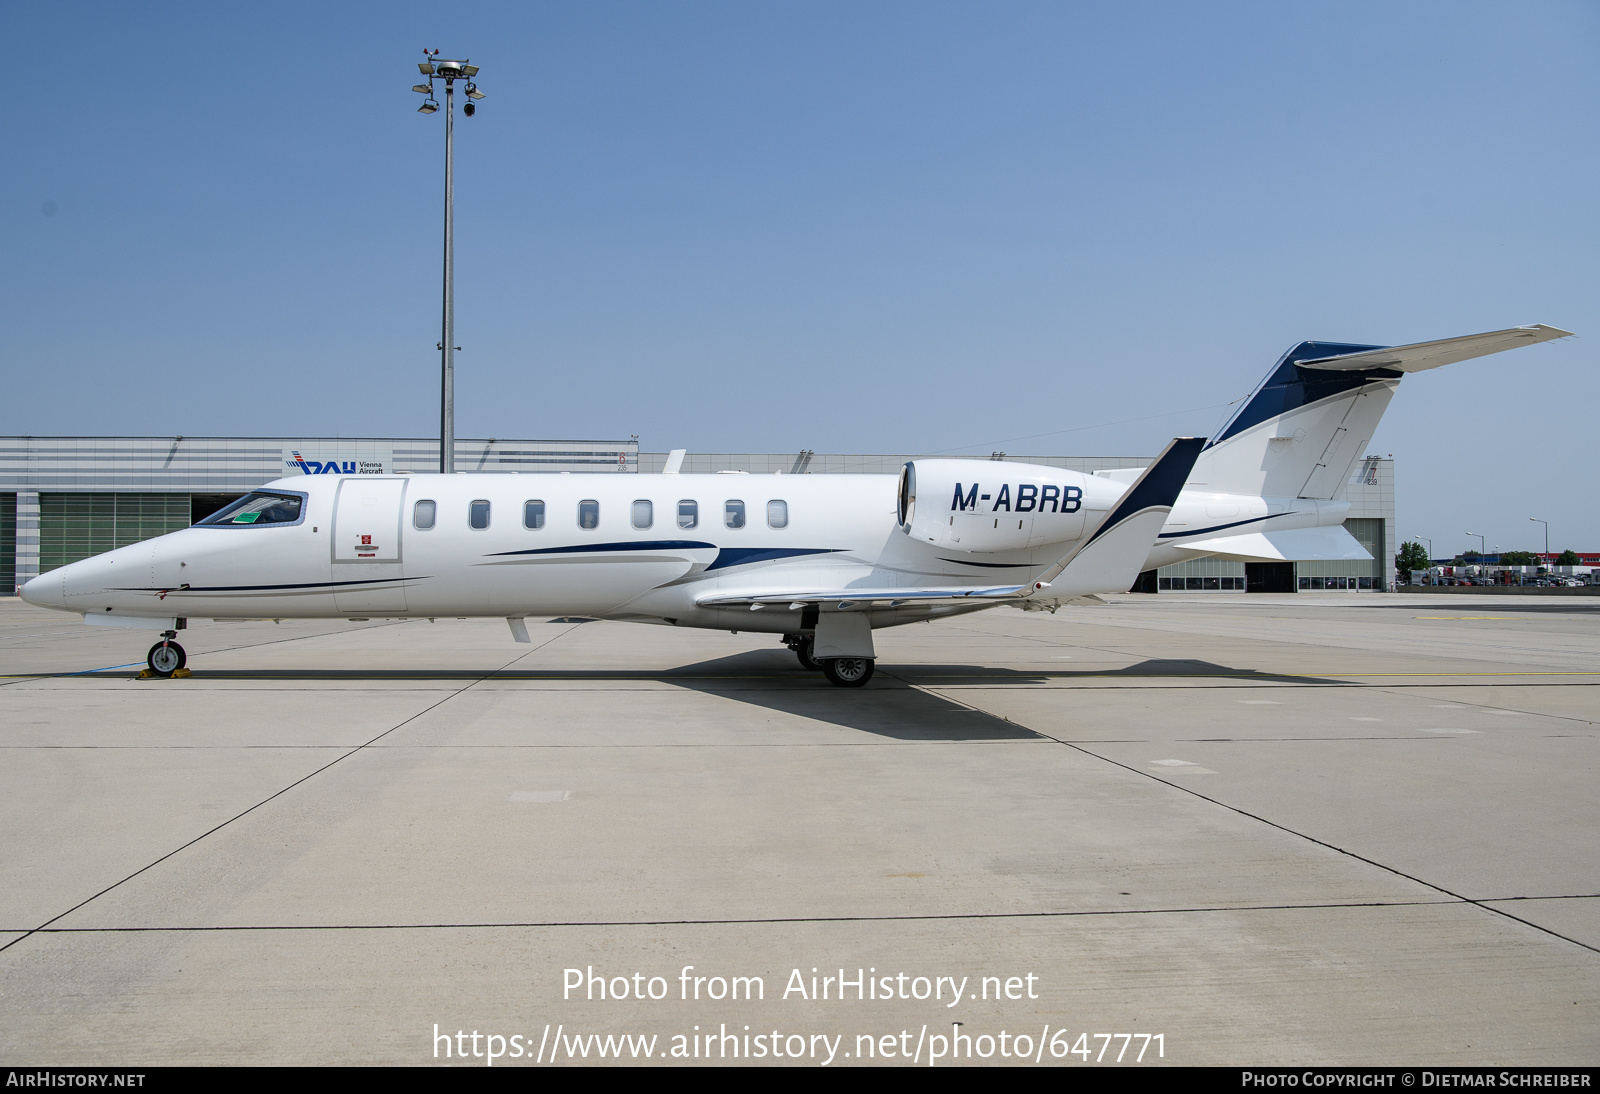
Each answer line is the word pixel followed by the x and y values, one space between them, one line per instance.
pixel 1153 777
pixel 755 920
pixel 1529 713
pixel 278 793
pixel 1199 909
pixel 1033 738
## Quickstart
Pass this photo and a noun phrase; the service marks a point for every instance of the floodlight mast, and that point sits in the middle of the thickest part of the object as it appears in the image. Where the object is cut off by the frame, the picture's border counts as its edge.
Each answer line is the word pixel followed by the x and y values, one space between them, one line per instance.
pixel 449 72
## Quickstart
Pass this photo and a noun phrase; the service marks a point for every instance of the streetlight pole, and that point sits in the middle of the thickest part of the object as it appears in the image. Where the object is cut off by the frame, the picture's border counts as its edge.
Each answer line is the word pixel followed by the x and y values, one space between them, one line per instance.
pixel 1546 524
pixel 449 72
pixel 1429 542
pixel 1482 549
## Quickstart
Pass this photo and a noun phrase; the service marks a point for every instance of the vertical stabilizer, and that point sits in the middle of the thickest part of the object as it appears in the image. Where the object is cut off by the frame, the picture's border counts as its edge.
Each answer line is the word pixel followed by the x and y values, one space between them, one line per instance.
pixel 1301 430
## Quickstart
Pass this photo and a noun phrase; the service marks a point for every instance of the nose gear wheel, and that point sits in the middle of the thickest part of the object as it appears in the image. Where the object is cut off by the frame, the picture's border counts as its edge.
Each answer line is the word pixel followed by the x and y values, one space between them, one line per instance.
pixel 166 658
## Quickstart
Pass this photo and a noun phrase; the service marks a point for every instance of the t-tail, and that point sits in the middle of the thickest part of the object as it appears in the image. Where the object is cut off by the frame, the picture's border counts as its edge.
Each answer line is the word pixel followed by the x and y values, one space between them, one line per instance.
pixel 1301 431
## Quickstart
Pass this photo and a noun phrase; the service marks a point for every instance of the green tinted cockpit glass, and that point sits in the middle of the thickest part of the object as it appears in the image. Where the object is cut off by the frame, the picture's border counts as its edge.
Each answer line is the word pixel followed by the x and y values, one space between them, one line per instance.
pixel 258 509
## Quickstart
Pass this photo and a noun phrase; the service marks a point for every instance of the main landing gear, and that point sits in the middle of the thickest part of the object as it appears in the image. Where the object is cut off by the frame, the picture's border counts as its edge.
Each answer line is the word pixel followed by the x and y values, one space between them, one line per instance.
pixel 841 672
pixel 166 656
pixel 848 672
pixel 802 645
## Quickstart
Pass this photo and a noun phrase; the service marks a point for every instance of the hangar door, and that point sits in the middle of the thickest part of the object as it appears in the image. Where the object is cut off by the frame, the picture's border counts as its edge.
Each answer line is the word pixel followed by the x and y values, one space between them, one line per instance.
pixel 366 545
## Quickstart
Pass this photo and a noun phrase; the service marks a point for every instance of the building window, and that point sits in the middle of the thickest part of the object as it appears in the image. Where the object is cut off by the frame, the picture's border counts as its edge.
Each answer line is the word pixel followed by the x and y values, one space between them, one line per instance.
pixel 588 513
pixel 688 513
pixel 423 514
pixel 1164 583
pixel 643 514
pixel 733 513
pixel 777 514
pixel 478 514
pixel 1192 583
pixel 533 514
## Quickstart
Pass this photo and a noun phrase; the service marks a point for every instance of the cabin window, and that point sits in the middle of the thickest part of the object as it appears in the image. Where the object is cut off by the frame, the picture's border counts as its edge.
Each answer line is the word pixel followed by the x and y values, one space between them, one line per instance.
pixel 643 514
pixel 777 514
pixel 478 514
pixel 423 514
pixel 688 513
pixel 733 513
pixel 588 513
pixel 257 509
pixel 533 514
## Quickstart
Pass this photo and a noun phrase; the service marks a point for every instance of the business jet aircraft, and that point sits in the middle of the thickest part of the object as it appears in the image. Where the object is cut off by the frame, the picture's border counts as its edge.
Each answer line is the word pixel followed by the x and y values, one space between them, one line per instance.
pixel 822 560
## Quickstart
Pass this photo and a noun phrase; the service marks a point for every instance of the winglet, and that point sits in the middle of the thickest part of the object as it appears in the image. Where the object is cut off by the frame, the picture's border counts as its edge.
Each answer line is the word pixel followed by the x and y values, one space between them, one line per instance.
pixel 1160 484
pixel 674 461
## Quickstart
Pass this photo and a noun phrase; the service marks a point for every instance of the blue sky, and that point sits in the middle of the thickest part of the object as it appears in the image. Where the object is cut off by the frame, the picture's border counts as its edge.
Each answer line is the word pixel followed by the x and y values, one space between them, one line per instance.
pixel 853 227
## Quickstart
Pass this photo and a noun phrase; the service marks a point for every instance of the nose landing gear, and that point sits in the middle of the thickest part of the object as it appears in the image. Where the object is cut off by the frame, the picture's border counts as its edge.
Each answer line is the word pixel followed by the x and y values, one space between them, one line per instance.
pixel 166 658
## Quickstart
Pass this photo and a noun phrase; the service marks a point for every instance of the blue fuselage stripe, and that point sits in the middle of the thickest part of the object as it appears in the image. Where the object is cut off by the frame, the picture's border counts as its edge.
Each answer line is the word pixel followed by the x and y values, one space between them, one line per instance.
pixel 612 548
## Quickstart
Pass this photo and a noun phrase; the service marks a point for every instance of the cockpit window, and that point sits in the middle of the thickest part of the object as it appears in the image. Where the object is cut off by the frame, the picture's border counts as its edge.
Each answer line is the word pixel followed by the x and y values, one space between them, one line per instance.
pixel 258 508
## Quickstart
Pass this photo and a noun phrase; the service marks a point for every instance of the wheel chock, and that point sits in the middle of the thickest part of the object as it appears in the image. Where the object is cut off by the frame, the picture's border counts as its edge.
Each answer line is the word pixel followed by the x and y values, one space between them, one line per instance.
pixel 145 674
pixel 181 673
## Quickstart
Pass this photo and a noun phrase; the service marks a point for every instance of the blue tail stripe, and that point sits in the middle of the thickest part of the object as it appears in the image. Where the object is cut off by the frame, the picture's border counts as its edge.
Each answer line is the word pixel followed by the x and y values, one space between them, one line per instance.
pixel 1291 385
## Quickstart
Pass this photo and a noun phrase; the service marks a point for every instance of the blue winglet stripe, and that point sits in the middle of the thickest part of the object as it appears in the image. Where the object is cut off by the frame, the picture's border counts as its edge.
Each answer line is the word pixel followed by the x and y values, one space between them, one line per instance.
pixel 1160 485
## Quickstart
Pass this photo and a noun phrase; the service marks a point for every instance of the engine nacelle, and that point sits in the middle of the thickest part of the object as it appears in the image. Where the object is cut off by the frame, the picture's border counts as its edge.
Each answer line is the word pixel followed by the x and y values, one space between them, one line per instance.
pixel 989 505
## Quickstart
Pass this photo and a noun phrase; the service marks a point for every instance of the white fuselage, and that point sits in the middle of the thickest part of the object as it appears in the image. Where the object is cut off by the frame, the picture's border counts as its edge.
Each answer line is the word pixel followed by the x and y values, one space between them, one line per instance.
pixel 360 548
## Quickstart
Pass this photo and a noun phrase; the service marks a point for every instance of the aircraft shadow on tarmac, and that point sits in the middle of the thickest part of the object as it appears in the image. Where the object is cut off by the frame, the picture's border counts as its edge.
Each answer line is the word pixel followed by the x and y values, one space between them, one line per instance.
pixel 892 705
pixel 888 706
pixel 761 668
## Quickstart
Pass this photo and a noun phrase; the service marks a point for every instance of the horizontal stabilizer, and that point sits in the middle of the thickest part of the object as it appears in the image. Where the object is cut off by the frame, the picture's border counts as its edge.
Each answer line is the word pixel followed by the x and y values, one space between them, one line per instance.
pixel 1332 544
pixel 1446 351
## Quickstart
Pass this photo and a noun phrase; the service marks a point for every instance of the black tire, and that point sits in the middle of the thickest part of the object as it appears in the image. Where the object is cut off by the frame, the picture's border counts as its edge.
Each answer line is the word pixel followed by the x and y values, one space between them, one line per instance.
pixel 848 672
pixel 166 658
pixel 803 652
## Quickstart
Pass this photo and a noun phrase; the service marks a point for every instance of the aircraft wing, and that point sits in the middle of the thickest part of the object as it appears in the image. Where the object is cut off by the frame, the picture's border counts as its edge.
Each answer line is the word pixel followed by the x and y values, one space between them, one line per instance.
pixel 845 599
pixel 1446 351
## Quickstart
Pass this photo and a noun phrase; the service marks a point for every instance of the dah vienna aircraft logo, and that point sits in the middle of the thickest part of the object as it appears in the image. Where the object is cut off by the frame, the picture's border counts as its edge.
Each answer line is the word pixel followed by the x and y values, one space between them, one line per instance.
pixel 295 461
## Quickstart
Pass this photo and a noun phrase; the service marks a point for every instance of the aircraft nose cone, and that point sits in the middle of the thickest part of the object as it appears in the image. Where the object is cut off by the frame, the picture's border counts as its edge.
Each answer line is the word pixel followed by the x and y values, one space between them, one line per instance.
pixel 45 591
